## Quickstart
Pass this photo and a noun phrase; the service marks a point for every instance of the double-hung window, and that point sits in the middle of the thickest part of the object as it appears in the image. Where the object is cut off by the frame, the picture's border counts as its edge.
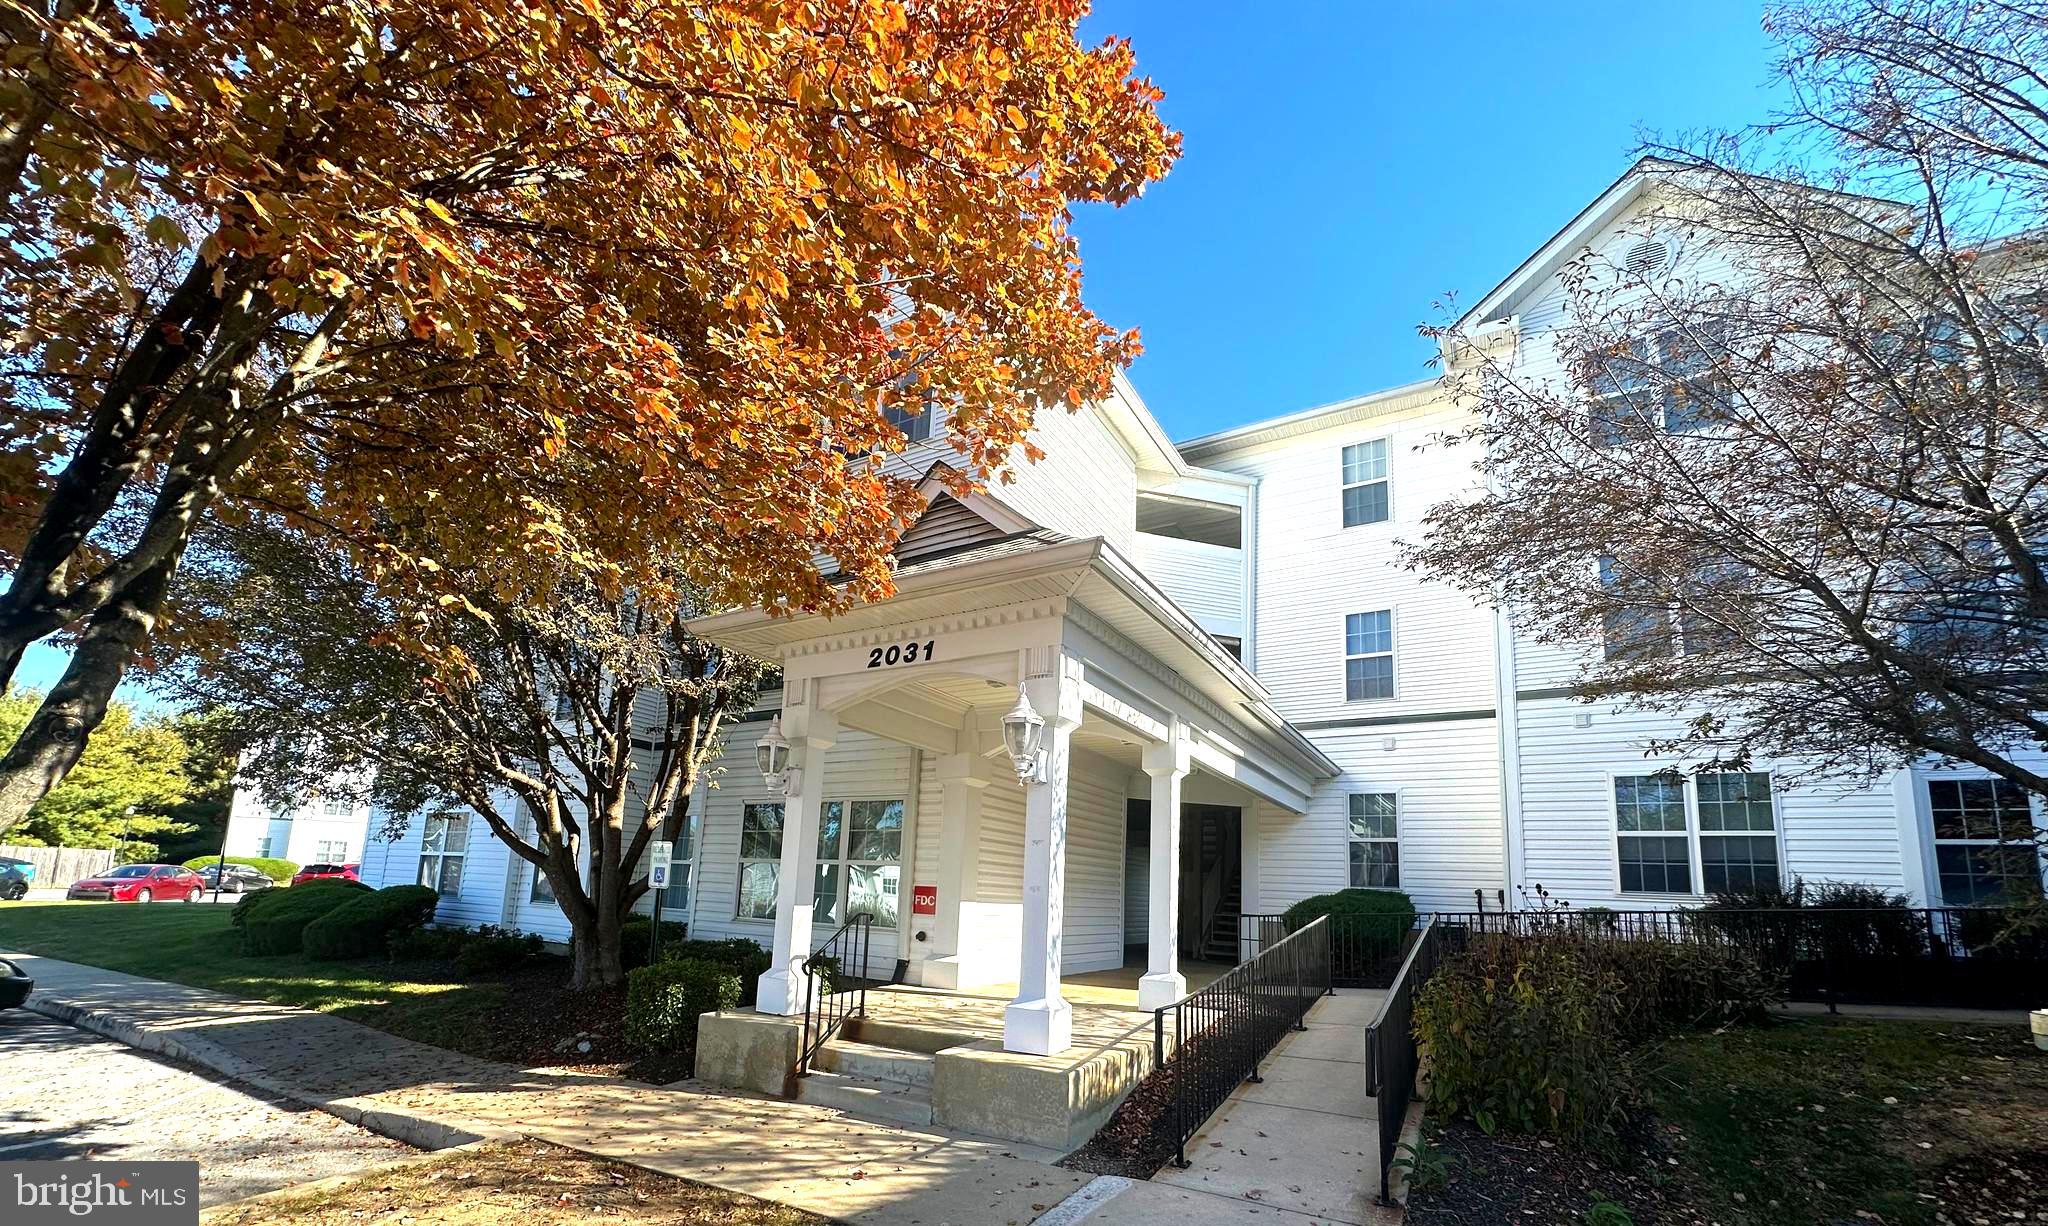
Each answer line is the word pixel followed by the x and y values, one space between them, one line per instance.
pixel 1714 834
pixel 860 862
pixel 1375 841
pixel 337 806
pixel 915 420
pixel 443 845
pixel 1365 483
pixel 760 859
pixel 1738 832
pixel 1650 834
pixel 1634 626
pixel 1668 382
pixel 1369 655
pixel 682 857
pixel 331 851
pixel 1984 848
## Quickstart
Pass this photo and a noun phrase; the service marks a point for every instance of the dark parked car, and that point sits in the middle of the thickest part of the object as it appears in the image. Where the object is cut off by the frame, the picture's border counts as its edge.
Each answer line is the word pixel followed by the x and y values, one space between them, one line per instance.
pixel 27 868
pixel 238 879
pixel 14 985
pixel 13 883
pixel 141 883
pixel 313 872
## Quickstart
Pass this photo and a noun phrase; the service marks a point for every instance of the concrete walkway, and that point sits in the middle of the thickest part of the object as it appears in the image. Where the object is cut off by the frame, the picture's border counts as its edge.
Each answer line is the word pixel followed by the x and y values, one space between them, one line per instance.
pixel 808 1157
pixel 1302 1145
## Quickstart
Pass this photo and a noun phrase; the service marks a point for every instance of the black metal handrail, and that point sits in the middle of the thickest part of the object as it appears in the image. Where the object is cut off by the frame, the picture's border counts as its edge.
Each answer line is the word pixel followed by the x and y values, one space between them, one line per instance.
pixel 1365 950
pixel 1221 1032
pixel 1872 955
pixel 1390 1052
pixel 840 961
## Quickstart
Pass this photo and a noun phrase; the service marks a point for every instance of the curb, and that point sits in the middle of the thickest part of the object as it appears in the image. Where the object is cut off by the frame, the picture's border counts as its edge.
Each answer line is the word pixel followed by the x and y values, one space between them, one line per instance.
pixel 417 1131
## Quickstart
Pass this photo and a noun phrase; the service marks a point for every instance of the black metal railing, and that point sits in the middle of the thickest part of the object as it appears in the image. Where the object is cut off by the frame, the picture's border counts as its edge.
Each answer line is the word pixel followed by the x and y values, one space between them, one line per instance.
pixel 1219 1035
pixel 1365 950
pixel 835 986
pixel 1390 1052
pixel 1958 956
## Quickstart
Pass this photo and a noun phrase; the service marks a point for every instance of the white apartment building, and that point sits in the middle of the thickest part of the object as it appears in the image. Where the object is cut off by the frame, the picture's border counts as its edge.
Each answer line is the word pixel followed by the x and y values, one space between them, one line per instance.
pixel 316 829
pixel 1224 657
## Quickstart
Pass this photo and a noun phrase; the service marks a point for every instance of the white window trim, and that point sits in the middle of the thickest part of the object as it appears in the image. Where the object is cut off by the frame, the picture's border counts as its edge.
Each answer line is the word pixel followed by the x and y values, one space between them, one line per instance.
pixel 741 860
pixel 1923 801
pixel 693 825
pixel 444 855
pixel 846 833
pixel 1690 791
pixel 1393 654
pixel 1400 796
pixel 1387 480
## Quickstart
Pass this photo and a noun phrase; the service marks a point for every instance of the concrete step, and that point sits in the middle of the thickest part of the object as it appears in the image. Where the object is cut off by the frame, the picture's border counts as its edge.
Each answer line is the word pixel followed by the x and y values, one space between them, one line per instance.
pixel 904 1038
pixel 875 1063
pixel 893 1102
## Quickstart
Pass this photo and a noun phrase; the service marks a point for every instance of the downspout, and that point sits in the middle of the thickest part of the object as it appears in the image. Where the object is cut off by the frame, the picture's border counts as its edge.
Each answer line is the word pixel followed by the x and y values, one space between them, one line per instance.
pixel 1508 725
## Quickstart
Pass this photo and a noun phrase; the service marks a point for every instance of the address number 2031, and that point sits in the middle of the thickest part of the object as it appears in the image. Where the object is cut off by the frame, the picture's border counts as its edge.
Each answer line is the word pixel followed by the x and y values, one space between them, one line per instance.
pixel 900 653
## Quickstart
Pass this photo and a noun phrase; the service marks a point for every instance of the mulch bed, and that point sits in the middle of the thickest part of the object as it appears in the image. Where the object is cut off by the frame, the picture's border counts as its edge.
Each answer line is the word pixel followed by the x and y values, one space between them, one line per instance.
pixel 1138 1139
pixel 1502 1179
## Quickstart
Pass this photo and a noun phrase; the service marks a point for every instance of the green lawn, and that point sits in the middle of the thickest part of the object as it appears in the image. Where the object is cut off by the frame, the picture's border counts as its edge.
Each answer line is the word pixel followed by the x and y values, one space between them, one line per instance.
pixel 193 944
pixel 1836 1120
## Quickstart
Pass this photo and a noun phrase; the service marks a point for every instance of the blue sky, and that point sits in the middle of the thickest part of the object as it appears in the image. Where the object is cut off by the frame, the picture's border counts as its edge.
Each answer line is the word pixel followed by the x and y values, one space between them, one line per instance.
pixel 1347 165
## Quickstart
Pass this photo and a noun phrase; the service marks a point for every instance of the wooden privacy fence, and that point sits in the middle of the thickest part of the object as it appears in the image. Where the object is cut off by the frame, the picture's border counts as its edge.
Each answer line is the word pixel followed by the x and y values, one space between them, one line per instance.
pixel 58 867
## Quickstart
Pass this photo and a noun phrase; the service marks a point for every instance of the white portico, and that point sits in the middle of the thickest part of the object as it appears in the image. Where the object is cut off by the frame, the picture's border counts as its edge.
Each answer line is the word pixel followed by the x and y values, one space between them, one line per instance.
pixel 1042 684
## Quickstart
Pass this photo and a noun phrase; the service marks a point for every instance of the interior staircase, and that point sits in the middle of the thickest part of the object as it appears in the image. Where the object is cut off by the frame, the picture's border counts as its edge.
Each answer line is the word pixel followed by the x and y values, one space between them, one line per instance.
pixel 877 1071
pixel 1222 940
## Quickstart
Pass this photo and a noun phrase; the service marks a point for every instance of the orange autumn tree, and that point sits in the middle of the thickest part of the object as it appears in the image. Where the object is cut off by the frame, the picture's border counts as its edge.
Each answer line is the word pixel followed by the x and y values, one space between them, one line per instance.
pixel 415 262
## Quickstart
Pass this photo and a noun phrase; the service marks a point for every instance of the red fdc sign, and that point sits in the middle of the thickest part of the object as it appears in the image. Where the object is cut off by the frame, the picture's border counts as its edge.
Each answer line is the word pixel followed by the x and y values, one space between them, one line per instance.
pixel 924 900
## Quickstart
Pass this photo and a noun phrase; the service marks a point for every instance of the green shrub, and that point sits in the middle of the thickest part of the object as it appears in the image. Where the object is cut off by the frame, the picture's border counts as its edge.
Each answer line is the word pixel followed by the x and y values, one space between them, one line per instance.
pixel 279 871
pixel 747 959
pixel 664 1001
pixel 1368 930
pixel 365 925
pixel 249 904
pixel 1531 1033
pixel 426 944
pixel 636 939
pixel 492 950
pixel 277 926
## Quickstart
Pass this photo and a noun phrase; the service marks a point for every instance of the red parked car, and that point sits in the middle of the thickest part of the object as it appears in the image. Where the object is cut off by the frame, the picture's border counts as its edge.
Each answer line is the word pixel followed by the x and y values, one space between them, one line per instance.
pixel 312 872
pixel 141 883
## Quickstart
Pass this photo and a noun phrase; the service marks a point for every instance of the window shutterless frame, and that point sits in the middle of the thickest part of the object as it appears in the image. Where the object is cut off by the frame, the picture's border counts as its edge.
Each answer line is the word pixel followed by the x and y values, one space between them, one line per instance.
pixel 1365 483
pixel 1689 791
pixel 1390 653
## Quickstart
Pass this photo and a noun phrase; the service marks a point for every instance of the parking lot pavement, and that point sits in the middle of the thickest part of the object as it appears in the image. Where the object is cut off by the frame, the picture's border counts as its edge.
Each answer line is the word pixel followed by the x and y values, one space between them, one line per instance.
pixel 65 1093
pixel 40 894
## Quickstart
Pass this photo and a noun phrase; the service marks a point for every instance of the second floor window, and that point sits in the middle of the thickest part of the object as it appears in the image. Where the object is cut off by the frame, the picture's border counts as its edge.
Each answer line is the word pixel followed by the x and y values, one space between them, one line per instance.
pixel 1666 383
pixel 1369 655
pixel 1365 483
pixel 915 420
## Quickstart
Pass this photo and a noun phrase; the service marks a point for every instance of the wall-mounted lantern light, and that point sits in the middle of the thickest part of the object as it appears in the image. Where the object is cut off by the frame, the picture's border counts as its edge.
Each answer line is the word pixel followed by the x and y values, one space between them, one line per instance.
pixel 1024 739
pixel 771 754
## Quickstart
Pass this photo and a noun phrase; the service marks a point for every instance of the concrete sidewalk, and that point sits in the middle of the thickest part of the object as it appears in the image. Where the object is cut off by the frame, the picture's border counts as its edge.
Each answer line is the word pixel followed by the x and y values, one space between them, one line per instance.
pixel 809 1157
pixel 1302 1144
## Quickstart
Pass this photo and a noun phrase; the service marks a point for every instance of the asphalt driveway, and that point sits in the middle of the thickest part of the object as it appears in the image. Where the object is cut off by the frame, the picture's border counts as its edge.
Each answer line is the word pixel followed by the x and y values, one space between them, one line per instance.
pixel 65 1093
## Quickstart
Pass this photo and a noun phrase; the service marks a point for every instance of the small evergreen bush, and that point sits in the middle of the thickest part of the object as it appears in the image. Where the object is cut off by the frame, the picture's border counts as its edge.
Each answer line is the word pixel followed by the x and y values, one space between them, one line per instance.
pixel 1368 929
pixel 365 925
pixel 636 940
pixel 249 904
pixel 279 871
pixel 277 925
pixel 747 959
pixel 492 950
pixel 426 944
pixel 664 1001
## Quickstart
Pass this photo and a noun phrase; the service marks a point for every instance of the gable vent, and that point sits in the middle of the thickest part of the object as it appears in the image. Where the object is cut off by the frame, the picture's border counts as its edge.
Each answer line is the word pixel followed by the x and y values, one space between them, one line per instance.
pixel 1646 256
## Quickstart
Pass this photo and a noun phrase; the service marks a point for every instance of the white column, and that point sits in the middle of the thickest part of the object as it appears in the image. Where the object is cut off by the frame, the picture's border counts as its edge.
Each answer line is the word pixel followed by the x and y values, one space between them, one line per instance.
pixel 1167 764
pixel 963 778
pixel 1039 1021
pixel 810 733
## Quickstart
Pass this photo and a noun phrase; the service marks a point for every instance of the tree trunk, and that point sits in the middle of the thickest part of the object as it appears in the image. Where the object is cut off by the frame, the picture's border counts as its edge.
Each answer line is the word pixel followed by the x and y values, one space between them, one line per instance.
pixel 55 736
pixel 594 951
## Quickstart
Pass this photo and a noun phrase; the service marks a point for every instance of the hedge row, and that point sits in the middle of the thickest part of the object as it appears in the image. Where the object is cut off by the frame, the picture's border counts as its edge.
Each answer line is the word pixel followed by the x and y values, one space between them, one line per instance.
pixel 274 921
pixel 279 871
